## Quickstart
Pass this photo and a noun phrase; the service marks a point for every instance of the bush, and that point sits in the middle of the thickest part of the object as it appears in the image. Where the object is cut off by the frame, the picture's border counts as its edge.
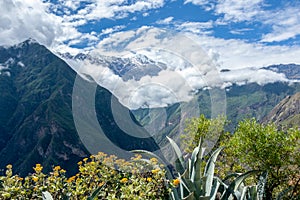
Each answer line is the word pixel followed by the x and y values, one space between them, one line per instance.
pixel 117 178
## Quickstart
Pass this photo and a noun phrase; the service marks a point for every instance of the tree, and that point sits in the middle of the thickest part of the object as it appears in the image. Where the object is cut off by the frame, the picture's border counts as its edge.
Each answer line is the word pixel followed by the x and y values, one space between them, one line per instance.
pixel 264 147
pixel 208 129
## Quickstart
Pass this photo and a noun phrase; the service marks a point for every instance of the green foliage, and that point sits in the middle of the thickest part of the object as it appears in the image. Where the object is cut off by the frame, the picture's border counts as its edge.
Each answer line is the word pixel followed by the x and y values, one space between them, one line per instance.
pixel 201 127
pixel 99 177
pixel 197 183
pixel 263 147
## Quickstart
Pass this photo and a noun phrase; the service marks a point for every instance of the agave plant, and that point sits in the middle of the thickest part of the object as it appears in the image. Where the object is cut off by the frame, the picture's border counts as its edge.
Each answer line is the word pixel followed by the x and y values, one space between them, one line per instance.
pixel 196 183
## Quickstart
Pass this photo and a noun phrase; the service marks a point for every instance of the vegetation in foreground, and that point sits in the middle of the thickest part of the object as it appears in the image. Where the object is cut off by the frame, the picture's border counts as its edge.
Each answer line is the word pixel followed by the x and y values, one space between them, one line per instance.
pixel 117 178
pixel 258 162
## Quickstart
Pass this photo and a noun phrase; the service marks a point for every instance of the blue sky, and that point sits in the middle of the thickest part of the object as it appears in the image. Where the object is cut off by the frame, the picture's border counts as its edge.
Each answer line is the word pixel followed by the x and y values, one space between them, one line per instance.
pixel 267 31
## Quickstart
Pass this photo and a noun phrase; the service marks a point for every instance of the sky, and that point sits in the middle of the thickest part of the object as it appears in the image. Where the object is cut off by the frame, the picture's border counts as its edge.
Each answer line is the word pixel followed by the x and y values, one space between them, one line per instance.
pixel 240 35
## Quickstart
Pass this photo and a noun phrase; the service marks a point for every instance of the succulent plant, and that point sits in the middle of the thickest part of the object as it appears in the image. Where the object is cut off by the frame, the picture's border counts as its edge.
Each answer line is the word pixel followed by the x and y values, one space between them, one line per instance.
pixel 196 183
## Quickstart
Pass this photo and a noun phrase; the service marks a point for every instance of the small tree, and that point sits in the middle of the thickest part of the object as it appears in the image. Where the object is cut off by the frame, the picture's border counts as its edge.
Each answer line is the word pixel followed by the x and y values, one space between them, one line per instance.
pixel 263 147
pixel 201 127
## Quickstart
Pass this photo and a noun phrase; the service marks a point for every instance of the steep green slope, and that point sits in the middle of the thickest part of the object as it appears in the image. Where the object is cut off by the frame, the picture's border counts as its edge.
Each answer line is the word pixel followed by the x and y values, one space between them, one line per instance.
pixel 36 120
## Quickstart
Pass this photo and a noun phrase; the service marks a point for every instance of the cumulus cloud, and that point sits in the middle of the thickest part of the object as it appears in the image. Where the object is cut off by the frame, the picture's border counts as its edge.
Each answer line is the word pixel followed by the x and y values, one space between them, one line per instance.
pixel 285 24
pixel 283 21
pixel 167 20
pixel 196 27
pixel 20 20
pixel 251 75
pixel 185 71
pixel 236 10
pixel 56 24
pixel 235 53
pixel 188 68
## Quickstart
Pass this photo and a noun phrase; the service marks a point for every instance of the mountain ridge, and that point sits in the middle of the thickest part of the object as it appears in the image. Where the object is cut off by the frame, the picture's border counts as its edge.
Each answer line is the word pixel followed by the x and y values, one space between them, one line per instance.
pixel 286 112
pixel 36 125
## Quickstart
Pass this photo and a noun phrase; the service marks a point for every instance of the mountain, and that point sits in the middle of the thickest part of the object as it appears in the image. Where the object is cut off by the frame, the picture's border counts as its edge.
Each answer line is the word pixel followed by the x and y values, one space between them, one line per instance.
pixel 134 67
pixel 36 117
pixel 242 101
pixel 286 113
pixel 291 71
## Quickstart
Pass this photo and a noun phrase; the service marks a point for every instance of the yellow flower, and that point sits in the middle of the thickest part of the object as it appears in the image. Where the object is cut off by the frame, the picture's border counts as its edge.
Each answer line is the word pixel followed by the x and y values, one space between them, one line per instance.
pixel 63 171
pixel 35 179
pixel 92 163
pixel 100 184
pixel 56 168
pixel 20 178
pixel 79 163
pixel 154 171
pixel 113 172
pixel 176 182
pixel 72 178
pixel 92 156
pixel 85 159
pixel 149 179
pixel 56 173
pixel 9 166
pixel 38 168
pixel 137 157
pixel 154 160
pixel 124 180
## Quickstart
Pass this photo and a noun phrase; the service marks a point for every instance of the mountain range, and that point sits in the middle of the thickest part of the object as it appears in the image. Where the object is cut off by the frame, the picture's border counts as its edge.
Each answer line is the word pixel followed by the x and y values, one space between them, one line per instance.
pixel 38 125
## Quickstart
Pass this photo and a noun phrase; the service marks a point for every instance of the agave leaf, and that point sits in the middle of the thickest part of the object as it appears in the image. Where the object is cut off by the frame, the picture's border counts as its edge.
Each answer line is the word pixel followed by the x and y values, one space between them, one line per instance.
pixel 232 189
pixel 215 187
pixel 47 196
pixel 204 198
pixel 96 192
pixel 189 197
pixel 261 184
pixel 185 175
pixel 197 161
pixel 184 190
pixel 174 194
pixel 197 166
pixel 188 184
pixel 244 192
pixel 253 192
pixel 179 163
pixel 209 170
pixel 190 168
pixel 193 159
pixel 231 175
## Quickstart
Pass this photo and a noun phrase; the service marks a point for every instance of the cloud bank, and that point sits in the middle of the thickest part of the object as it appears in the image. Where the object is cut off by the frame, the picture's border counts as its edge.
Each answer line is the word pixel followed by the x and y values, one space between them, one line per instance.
pixel 188 68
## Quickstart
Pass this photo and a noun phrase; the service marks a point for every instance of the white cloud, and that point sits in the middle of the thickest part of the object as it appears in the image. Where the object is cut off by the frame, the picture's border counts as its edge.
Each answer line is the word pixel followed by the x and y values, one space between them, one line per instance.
pixel 54 24
pixel 111 30
pixel 285 24
pixel 196 27
pixel 236 10
pixel 206 4
pixel 284 20
pixel 167 20
pixel 115 9
pixel 20 20
pixel 251 75
pixel 188 67
pixel 234 53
